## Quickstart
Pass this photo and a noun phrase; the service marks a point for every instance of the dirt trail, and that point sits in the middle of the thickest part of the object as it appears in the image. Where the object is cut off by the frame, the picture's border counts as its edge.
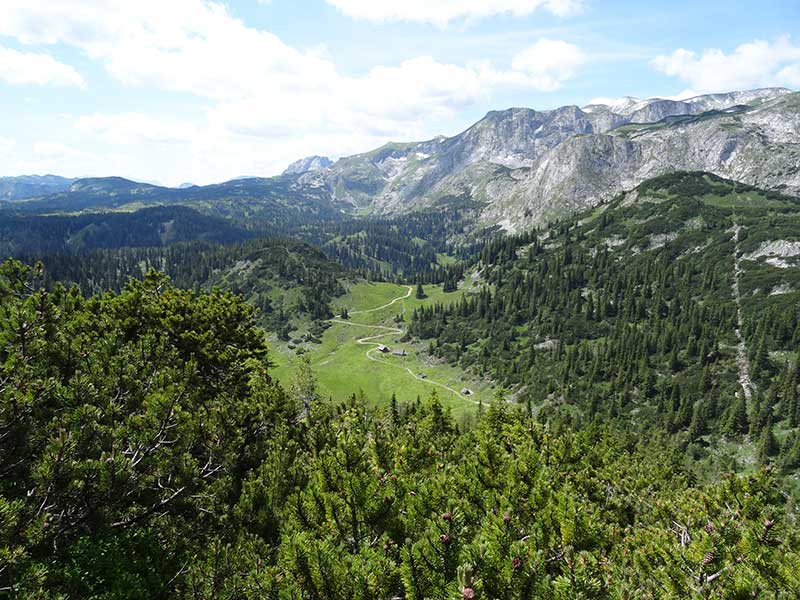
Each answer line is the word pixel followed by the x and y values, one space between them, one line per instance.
pixel 371 340
pixel 387 305
pixel 742 359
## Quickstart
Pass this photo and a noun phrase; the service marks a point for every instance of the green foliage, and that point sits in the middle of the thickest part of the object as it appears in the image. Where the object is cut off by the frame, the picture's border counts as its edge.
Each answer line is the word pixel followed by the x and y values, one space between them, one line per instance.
pixel 628 314
pixel 276 203
pixel 127 425
pixel 284 279
pixel 23 234
pixel 145 453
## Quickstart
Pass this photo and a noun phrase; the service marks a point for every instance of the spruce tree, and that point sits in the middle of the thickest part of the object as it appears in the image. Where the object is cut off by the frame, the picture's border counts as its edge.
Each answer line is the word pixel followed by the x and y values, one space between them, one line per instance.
pixel 760 365
pixel 737 418
pixel 767 445
pixel 699 425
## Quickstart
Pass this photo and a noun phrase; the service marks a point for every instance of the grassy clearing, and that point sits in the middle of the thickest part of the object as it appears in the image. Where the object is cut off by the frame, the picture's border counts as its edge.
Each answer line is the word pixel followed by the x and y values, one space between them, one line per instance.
pixel 343 366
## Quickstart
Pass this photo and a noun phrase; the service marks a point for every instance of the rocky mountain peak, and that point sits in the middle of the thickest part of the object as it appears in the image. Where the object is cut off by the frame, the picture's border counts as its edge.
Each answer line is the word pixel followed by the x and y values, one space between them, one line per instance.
pixel 525 165
pixel 309 163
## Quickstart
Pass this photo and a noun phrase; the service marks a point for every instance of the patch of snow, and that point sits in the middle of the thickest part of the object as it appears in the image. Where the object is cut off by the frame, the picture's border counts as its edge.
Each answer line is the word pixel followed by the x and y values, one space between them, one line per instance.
pixel 781 248
pixel 775 251
pixel 507 225
pixel 777 262
pixel 617 105
pixel 781 289
pixel 661 239
pixel 393 167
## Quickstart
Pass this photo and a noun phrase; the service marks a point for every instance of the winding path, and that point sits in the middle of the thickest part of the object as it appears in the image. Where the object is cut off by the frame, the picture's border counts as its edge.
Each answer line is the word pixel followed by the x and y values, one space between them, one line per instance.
pixel 370 340
pixel 398 299
pixel 742 359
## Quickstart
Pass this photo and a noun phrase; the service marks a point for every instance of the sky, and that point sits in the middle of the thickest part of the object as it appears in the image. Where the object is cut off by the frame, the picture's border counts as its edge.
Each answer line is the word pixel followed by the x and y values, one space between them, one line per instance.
pixel 202 91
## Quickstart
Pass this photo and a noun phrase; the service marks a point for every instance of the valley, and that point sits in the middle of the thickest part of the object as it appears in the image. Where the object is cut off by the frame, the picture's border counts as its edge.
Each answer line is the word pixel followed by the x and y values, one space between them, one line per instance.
pixel 553 356
pixel 348 361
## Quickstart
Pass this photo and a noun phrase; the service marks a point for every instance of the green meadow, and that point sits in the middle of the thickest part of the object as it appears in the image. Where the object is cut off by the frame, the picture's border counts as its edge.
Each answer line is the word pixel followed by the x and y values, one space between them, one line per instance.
pixel 343 366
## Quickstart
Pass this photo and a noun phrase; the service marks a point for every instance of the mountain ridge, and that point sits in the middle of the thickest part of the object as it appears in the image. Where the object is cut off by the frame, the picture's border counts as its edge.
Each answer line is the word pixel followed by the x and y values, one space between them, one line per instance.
pixel 309 163
pixel 522 166
pixel 22 186
pixel 509 159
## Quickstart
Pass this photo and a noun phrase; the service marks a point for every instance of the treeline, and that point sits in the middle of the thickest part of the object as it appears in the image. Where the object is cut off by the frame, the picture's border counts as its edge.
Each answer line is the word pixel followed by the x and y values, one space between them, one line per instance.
pixel 24 234
pixel 419 244
pixel 145 452
pixel 284 279
pixel 694 184
pixel 428 246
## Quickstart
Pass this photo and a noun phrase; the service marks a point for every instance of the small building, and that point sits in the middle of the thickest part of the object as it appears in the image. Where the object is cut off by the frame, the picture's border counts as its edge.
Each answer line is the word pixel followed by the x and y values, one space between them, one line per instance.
pixel 400 352
pixel 466 392
pixel 382 348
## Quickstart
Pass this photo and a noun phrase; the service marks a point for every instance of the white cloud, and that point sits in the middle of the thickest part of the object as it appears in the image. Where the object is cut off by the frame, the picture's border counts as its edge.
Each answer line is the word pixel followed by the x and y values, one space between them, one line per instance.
pixel 124 127
pixel 51 150
pixel 442 12
pixel 549 62
pixel 27 68
pixel 6 146
pixel 47 156
pixel 790 75
pixel 754 64
pixel 266 103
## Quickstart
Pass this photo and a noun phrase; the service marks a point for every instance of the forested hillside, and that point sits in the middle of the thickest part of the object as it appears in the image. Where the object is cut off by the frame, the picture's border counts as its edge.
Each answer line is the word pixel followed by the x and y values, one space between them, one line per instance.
pixel 285 279
pixel 674 307
pixel 422 300
pixel 145 452
pixel 277 203
pixel 24 234
pixel 423 244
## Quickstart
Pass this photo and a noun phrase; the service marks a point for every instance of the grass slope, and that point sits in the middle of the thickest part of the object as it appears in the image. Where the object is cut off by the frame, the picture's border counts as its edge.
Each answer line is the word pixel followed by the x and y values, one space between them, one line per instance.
pixel 343 366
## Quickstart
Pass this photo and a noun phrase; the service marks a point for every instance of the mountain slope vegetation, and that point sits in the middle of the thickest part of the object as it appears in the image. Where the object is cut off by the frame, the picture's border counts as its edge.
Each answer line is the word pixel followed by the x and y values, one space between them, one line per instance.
pixel 284 279
pixel 656 309
pixel 26 234
pixel 276 203
pixel 347 382
pixel 145 452
pixel 27 186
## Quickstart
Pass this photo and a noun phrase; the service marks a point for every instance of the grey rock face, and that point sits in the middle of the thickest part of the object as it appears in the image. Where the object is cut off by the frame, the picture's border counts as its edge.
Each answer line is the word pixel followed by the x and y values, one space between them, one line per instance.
pixel 756 145
pixel 527 166
pixel 310 163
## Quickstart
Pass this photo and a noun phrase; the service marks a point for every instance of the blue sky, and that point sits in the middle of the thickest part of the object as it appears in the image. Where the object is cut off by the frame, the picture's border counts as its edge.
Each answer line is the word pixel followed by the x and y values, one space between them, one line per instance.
pixel 202 91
